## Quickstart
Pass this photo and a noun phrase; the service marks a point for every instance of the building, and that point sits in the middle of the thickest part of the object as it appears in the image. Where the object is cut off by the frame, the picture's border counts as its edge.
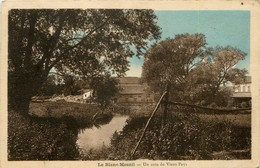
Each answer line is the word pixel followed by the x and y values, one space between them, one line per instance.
pixel 87 93
pixel 242 93
pixel 131 90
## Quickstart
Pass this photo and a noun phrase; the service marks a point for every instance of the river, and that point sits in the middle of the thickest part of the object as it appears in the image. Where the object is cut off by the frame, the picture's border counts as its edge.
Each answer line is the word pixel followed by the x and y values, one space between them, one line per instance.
pixel 97 137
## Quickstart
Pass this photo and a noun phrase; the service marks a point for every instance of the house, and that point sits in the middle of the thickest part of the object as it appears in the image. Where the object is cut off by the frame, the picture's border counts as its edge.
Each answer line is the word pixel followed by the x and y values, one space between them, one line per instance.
pixel 87 94
pixel 242 93
pixel 132 90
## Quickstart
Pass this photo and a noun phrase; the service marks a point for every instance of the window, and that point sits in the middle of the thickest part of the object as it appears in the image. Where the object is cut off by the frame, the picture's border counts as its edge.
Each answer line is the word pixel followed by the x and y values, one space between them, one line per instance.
pixel 248 89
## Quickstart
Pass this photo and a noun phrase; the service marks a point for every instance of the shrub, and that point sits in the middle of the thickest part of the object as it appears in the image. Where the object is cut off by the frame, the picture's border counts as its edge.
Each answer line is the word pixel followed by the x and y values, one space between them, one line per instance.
pixel 40 139
pixel 183 137
pixel 213 105
pixel 243 105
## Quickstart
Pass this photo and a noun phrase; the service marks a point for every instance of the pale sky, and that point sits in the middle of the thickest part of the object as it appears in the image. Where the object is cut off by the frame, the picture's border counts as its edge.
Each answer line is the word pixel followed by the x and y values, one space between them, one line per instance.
pixel 220 27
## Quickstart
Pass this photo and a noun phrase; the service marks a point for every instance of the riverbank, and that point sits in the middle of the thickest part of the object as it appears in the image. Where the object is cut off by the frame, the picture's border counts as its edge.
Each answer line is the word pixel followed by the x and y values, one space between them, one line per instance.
pixel 83 115
pixel 31 138
pixel 50 131
pixel 184 137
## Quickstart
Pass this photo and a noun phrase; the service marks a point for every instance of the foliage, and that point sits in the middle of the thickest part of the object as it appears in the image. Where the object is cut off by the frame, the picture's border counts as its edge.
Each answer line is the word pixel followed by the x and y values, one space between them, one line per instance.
pixel 171 60
pixel 195 74
pixel 212 75
pixel 244 104
pixel 50 133
pixel 104 89
pixel 84 42
pixel 71 85
pixel 50 87
pixel 81 114
pixel 40 139
pixel 183 137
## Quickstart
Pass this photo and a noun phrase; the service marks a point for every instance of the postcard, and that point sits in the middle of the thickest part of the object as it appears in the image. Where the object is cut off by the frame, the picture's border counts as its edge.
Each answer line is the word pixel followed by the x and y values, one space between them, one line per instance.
pixel 130 84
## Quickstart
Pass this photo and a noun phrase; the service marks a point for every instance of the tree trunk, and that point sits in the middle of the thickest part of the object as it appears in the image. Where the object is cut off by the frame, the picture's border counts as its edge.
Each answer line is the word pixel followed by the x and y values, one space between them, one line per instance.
pixel 21 88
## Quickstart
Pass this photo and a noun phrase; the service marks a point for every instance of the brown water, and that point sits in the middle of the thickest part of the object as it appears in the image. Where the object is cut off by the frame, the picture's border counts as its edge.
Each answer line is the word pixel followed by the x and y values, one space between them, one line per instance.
pixel 98 137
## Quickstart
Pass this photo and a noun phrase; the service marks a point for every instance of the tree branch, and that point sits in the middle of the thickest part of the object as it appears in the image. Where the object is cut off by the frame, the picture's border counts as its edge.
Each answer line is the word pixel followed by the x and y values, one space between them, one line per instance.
pixel 79 43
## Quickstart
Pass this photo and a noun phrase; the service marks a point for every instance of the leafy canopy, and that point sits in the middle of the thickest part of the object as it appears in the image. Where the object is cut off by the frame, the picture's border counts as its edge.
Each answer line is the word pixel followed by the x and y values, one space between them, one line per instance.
pixel 85 42
pixel 171 60
pixel 195 73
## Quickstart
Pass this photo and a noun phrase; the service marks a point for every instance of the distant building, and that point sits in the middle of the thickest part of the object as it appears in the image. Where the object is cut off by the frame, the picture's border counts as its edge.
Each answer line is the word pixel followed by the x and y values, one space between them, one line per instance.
pixel 131 90
pixel 242 92
pixel 87 93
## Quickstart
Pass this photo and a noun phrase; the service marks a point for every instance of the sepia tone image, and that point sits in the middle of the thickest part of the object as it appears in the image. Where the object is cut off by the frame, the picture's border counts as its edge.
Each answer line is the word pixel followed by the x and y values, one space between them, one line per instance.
pixel 128 84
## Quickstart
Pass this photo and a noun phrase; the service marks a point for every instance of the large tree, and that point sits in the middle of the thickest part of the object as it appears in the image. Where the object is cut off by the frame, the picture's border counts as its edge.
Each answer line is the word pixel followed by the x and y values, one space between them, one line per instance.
pixel 194 72
pixel 216 70
pixel 105 88
pixel 171 61
pixel 84 42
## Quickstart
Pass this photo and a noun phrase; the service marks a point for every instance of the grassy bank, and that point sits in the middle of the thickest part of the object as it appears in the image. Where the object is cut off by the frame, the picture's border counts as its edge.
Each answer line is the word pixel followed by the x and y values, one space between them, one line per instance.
pixel 184 137
pixel 83 115
pixel 40 139
pixel 50 132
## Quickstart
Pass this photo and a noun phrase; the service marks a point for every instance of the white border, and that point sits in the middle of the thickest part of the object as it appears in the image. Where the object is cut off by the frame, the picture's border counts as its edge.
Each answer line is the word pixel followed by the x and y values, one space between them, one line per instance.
pixel 250 5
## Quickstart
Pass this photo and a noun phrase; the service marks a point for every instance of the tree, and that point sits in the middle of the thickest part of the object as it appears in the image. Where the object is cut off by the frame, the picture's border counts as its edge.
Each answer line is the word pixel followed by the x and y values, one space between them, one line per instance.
pixel 83 42
pixel 171 61
pixel 217 70
pixel 104 89
pixel 71 85
pixel 195 73
pixel 49 87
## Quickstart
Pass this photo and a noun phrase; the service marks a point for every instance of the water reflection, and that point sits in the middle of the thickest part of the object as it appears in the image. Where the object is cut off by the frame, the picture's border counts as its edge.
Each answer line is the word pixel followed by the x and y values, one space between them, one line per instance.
pixel 97 137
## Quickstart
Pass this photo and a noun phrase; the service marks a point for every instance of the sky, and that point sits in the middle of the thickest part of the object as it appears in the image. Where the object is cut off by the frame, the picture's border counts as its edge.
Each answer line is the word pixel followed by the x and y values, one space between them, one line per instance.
pixel 220 28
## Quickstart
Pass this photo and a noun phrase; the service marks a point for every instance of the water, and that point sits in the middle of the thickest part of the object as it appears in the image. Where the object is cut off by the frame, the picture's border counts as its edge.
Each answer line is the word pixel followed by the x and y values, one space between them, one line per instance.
pixel 97 137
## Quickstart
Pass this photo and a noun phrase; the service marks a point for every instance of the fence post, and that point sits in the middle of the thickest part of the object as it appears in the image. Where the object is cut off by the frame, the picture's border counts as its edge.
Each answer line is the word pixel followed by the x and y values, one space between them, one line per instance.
pixel 146 126
pixel 166 99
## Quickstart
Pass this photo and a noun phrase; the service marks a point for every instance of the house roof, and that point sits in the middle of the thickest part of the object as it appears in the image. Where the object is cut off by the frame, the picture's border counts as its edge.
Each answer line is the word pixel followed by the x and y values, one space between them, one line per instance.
pixel 139 89
pixel 129 80
pixel 241 95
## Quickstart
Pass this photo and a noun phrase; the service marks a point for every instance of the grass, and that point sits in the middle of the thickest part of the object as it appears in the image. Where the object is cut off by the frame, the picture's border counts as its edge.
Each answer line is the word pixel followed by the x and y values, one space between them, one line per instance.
pixel 241 120
pixel 84 115
pixel 50 132
pixel 61 109
pixel 186 136
pixel 40 139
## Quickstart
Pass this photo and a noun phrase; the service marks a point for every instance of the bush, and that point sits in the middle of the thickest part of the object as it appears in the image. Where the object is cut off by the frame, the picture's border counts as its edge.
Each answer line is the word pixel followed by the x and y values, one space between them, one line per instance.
pixel 213 105
pixel 243 105
pixel 40 139
pixel 183 137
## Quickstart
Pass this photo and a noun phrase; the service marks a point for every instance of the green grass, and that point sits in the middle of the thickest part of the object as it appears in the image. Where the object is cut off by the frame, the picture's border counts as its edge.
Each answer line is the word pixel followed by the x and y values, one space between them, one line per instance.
pixel 84 115
pixel 241 120
pixel 186 136
pixel 40 139
pixel 61 109
pixel 50 131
